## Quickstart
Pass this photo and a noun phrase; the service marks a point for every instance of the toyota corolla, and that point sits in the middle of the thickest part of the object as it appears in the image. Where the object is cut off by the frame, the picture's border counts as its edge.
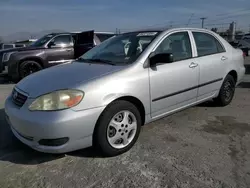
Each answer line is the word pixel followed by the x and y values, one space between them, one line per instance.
pixel 104 97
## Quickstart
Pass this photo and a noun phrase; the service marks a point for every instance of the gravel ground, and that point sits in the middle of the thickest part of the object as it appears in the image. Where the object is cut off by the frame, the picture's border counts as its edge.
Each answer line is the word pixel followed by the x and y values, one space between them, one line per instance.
pixel 204 146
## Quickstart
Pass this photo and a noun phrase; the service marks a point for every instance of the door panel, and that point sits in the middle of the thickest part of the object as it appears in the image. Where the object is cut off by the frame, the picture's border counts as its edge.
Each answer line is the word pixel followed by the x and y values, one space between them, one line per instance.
pixel 86 37
pixel 174 85
pixel 211 59
pixel 83 42
pixel 59 55
pixel 60 50
pixel 211 75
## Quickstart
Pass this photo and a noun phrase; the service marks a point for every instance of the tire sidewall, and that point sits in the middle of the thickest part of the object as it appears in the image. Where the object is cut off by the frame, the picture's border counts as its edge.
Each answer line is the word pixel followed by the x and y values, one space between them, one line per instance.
pixel 24 63
pixel 221 97
pixel 100 135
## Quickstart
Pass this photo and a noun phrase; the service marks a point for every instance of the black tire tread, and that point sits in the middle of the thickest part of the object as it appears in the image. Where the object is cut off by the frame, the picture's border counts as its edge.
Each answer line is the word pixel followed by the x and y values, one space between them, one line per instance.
pixel 25 63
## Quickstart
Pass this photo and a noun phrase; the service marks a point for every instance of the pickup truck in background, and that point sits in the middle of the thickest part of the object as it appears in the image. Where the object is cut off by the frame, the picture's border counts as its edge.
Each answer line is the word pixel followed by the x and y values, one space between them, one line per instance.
pixel 50 50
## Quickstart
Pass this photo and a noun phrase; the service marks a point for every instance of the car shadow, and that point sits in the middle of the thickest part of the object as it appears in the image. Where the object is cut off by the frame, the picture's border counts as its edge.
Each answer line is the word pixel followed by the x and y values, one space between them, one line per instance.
pixel 14 151
pixel 244 85
pixel 209 103
pixel 4 80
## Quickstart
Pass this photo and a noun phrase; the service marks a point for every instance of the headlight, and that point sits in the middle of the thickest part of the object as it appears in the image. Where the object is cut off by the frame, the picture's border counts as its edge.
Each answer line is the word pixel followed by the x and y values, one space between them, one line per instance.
pixel 6 56
pixel 57 100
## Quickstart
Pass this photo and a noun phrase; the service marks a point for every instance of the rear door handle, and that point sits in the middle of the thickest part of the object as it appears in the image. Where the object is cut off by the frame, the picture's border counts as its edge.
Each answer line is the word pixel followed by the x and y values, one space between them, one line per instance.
pixel 193 65
pixel 223 58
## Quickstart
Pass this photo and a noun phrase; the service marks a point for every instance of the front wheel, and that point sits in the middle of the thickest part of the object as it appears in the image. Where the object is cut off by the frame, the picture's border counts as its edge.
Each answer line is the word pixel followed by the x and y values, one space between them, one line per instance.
pixel 226 92
pixel 29 67
pixel 117 128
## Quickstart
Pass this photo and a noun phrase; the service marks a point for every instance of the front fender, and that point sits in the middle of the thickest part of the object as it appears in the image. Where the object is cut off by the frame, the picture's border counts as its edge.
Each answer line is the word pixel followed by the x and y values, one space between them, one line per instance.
pixel 124 83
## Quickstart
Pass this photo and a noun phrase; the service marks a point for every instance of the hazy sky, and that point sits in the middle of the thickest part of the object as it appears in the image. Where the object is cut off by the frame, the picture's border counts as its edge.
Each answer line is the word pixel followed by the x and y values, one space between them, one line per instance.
pixel 106 15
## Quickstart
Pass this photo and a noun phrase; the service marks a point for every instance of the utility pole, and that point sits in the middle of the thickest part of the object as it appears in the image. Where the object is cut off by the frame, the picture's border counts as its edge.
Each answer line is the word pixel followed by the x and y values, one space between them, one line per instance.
pixel 202 21
pixel 190 19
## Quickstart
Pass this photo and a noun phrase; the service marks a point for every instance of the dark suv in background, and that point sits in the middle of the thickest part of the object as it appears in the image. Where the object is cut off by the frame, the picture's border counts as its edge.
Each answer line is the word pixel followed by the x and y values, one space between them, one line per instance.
pixel 50 50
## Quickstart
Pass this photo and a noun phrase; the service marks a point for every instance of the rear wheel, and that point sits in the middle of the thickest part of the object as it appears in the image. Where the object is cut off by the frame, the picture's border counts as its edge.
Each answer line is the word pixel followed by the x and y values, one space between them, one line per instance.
pixel 226 92
pixel 118 128
pixel 29 67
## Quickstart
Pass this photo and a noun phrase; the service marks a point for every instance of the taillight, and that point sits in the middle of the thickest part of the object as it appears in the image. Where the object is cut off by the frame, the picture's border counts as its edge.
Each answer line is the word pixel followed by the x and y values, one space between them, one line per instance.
pixel 244 54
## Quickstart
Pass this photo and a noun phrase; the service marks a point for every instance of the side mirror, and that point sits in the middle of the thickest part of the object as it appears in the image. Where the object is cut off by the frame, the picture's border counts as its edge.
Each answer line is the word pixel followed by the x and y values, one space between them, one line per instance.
pixel 51 45
pixel 161 59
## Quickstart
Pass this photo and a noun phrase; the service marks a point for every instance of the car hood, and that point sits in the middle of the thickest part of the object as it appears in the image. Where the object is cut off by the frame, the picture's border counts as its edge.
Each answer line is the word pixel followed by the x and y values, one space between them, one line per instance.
pixel 63 77
pixel 8 50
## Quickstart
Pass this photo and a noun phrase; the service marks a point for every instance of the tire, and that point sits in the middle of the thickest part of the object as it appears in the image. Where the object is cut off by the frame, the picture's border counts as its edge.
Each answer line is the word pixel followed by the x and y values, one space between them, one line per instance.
pixel 28 67
pixel 226 93
pixel 105 133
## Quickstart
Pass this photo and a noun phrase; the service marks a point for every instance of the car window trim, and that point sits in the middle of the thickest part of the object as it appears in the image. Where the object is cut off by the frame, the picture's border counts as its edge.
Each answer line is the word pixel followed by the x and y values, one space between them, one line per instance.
pixel 167 35
pixel 224 50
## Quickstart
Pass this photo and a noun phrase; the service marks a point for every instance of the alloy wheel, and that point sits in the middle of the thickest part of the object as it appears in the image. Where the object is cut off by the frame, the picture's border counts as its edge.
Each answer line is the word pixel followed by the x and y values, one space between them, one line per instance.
pixel 122 129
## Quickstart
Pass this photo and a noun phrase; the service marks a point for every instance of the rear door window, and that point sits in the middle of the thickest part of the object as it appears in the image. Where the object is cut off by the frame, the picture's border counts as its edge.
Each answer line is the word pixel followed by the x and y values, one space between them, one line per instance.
pixel 207 44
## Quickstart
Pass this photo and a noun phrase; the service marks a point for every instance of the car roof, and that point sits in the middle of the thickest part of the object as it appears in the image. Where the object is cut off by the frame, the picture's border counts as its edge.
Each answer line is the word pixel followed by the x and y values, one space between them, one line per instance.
pixel 169 29
pixel 73 33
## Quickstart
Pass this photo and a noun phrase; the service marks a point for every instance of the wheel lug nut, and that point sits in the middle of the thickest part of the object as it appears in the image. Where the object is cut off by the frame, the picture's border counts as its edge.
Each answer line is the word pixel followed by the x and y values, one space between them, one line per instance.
pixel 122 125
pixel 119 130
pixel 126 126
pixel 126 131
pixel 122 134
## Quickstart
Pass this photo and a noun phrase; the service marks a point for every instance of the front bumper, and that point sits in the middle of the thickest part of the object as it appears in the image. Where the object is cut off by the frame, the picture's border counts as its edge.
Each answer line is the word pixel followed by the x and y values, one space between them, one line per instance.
pixel 31 127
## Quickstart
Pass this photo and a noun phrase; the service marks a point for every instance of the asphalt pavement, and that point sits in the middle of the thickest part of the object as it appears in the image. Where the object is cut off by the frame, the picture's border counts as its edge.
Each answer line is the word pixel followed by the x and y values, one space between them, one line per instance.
pixel 201 147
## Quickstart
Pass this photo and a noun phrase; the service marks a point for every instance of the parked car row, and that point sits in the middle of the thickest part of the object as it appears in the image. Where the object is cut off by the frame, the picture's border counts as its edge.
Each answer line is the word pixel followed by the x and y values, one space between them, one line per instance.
pixel 103 97
pixel 243 44
pixel 50 50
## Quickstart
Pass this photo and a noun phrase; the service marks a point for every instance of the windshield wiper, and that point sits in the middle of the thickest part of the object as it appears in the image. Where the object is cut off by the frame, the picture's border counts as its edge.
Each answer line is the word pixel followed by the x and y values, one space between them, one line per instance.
pixel 97 60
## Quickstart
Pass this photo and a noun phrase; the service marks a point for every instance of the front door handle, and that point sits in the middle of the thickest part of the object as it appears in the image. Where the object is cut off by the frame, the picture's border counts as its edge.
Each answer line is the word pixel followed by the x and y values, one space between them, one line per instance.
pixel 69 50
pixel 223 58
pixel 193 65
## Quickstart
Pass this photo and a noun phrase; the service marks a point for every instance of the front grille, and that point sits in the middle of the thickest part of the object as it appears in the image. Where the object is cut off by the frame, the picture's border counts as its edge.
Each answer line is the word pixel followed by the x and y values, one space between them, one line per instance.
pixel 18 98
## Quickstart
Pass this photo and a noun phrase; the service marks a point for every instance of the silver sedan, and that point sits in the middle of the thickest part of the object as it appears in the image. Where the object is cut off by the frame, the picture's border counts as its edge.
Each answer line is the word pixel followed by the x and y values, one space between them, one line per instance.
pixel 105 96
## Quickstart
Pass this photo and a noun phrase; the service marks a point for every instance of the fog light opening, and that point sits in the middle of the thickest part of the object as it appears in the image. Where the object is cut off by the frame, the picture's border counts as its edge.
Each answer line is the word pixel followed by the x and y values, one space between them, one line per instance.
pixel 53 142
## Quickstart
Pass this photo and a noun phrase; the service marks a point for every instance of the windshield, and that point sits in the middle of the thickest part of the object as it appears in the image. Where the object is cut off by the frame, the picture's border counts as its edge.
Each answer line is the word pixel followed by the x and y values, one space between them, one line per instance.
pixel 42 41
pixel 124 48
